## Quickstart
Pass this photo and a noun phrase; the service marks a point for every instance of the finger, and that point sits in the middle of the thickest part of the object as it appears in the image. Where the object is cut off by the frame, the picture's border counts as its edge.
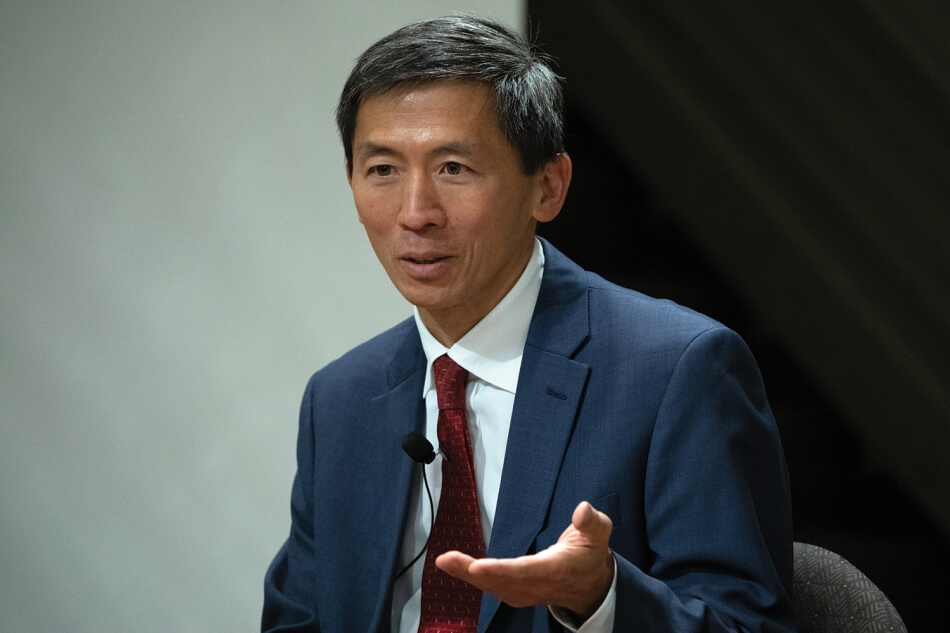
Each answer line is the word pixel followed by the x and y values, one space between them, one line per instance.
pixel 496 576
pixel 548 577
pixel 520 567
pixel 591 522
pixel 520 582
pixel 456 564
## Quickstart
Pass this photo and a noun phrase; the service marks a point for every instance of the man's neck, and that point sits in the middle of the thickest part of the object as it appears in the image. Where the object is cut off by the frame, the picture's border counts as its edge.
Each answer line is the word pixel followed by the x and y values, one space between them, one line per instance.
pixel 451 324
pixel 446 336
pixel 448 326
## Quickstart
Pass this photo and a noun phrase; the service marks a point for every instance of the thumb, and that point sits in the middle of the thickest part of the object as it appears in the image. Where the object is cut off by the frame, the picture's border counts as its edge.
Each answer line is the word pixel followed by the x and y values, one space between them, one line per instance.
pixel 591 522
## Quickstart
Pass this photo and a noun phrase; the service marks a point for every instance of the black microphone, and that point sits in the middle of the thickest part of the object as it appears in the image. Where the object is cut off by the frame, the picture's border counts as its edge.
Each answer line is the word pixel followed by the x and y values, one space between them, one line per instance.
pixel 420 450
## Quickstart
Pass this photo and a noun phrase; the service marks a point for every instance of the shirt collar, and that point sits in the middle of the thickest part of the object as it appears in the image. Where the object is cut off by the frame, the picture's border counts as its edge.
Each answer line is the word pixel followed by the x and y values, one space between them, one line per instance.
pixel 492 350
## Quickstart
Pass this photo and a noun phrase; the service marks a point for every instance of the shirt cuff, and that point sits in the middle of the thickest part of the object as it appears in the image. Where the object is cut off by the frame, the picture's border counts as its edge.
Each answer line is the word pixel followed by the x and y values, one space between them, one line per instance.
pixel 603 619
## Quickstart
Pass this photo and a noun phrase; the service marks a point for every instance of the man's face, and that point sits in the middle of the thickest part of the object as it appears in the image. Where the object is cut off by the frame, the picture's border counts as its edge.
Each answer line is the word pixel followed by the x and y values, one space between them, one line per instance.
pixel 444 201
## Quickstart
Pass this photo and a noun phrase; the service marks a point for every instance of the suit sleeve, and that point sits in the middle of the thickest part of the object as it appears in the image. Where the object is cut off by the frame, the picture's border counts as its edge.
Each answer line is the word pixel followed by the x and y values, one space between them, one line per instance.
pixel 716 503
pixel 289 585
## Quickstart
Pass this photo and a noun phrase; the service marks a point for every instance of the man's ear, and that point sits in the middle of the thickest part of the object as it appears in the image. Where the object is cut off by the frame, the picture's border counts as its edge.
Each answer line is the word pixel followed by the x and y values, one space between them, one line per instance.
pixel 555 180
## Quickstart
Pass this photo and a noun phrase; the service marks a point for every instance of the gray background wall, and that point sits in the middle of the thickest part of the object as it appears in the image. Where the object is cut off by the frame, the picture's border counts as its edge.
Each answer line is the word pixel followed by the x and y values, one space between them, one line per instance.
pixel 178 252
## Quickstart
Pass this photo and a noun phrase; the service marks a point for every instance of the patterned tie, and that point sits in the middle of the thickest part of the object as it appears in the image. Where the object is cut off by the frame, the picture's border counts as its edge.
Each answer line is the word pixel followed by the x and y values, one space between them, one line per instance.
pixel 450 605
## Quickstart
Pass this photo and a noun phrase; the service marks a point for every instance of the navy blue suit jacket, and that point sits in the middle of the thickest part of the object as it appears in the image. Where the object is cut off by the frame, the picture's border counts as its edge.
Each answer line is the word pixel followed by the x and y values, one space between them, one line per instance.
pixel 652 412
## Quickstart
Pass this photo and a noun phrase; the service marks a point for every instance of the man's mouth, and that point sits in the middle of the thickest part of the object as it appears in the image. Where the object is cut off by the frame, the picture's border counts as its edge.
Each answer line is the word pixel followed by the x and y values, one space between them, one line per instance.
pixel 430 260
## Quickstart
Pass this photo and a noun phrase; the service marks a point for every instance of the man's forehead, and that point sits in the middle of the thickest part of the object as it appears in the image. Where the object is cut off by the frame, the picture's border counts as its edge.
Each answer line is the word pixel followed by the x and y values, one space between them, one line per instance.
pixel 433 111
pixel 412 90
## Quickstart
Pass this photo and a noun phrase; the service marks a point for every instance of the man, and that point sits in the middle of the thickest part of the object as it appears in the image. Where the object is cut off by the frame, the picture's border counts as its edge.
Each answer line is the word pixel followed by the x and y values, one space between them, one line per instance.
pixel 621 460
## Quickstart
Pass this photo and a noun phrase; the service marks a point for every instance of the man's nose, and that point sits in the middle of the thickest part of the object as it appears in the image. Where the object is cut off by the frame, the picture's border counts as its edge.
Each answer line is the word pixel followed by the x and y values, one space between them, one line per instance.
pixel 420 204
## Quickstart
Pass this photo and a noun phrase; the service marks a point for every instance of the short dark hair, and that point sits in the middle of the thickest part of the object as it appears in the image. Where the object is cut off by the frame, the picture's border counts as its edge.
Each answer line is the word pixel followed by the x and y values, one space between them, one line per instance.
pixel 527 93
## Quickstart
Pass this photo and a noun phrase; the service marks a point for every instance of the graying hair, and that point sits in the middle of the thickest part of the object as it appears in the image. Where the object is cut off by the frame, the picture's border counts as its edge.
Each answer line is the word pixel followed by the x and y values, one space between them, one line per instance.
pixel 527 93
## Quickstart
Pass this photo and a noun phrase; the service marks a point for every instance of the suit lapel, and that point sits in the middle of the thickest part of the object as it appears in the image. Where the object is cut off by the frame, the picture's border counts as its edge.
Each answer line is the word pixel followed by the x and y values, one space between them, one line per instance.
pixel 402 410
pixel 550 390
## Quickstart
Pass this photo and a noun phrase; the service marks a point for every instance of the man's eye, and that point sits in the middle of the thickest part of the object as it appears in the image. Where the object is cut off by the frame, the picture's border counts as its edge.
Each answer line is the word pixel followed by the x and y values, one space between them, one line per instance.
pixel 453 169
pixel 382 170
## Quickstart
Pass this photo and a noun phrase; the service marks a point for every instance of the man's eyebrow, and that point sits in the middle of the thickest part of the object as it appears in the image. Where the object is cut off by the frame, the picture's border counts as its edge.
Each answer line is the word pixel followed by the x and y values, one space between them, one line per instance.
pixel 464 148
pixel 369 148
pixel 364 150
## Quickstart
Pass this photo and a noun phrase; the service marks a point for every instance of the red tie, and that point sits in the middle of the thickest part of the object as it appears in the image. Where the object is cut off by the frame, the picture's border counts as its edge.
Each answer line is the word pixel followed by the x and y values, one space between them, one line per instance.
pixel 450 605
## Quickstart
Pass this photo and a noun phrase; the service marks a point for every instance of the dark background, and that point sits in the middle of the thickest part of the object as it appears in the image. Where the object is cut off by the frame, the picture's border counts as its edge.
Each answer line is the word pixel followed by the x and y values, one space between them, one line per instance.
pixel 787 171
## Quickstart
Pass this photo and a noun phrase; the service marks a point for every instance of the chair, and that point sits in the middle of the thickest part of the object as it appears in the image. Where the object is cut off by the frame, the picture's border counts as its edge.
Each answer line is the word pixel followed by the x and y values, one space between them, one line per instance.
pixel 833 596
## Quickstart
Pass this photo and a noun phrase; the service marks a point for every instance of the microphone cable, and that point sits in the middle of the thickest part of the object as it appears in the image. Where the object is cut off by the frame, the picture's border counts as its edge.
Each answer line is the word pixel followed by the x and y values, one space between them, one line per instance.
pixel 420 450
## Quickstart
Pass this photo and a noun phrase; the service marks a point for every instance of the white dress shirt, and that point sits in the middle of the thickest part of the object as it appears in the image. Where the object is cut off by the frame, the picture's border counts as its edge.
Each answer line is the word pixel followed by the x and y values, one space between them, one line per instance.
pixel 491 353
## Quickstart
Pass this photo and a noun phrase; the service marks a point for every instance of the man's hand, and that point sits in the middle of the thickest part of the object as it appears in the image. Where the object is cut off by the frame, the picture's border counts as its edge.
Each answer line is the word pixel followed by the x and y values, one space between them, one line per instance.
pixel 575 573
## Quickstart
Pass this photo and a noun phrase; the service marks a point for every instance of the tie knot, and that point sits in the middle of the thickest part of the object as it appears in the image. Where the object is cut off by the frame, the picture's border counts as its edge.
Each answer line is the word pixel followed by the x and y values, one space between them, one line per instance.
pixel 449 383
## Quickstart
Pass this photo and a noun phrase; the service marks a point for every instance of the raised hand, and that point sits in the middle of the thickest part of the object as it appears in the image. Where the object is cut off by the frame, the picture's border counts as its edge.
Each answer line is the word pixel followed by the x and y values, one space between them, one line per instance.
pixel 575 573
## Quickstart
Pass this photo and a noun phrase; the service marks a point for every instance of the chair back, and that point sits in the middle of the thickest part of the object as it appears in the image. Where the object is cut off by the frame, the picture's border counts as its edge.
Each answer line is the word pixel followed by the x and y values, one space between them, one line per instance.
pixel 833 596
